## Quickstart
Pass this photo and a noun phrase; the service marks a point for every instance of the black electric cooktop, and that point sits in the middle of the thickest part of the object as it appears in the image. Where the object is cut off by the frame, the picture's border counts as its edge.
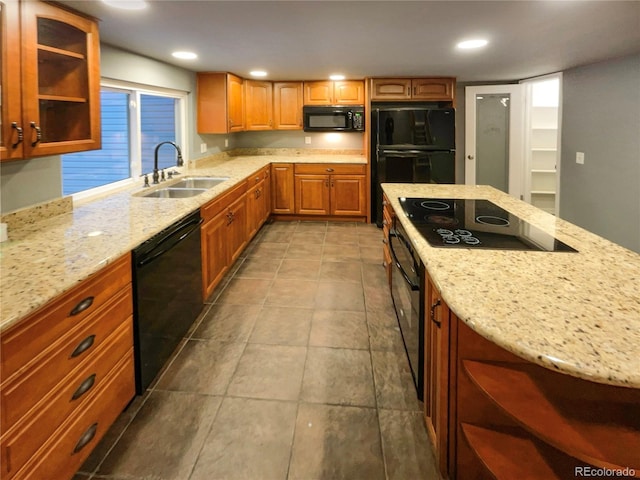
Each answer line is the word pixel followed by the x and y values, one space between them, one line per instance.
pixel 472 223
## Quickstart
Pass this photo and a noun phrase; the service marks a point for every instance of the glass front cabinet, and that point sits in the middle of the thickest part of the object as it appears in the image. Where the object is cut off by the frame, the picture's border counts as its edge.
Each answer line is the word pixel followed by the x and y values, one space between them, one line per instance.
pixel 50 81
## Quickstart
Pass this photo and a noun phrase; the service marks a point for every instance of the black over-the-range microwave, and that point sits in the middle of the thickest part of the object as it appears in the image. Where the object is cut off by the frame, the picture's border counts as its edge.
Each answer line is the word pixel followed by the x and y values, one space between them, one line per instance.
pixel 333 118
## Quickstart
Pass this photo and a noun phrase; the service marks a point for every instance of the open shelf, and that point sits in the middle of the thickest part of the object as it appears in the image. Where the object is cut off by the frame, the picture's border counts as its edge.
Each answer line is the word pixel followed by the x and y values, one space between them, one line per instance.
pixel 61 52
pixel 598 424
pixel 509 453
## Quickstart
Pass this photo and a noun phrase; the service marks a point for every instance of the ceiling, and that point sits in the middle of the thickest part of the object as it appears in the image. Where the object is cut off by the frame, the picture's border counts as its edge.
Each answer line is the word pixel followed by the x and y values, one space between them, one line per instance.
pixel 304 40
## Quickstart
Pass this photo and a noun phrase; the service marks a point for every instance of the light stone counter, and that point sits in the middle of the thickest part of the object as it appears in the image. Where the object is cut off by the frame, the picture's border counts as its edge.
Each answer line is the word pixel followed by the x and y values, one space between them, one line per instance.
pixel 41 260
pixel 578 313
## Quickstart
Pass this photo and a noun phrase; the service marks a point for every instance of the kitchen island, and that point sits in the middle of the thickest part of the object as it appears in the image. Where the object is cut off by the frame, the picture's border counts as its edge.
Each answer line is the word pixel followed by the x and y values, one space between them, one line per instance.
pixel 553 333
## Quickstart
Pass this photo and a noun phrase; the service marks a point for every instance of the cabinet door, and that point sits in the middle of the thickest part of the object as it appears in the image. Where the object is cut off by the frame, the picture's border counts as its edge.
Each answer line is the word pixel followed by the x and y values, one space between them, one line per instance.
pixel 255 207
pixel 348 195
pixel 312 194
pixel 287 106
pixel 237 232
pixel 436 371
pixel 348 92
pixel 318 93
pixel 214 251
pixel 11 146
pixel 432 88
pixel 258 105
pixel 391 89
pixel 282 199
pixel 60 81
pixel 235 99
pixel 266 194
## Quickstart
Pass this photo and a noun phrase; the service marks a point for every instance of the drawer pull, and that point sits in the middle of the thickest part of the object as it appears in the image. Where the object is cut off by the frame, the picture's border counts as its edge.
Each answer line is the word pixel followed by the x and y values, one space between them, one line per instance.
pixel 86 437
pixel 329 169
pixel 81 306
pixel 84 387
pixel 83 346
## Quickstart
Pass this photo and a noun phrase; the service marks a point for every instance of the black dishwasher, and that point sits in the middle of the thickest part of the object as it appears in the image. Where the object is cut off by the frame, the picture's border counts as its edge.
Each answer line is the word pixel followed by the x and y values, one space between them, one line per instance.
pixel 167 281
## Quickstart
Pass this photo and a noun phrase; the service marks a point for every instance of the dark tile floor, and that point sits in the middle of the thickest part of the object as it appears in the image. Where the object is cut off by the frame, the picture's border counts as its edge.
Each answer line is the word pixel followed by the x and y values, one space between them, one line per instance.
pixel 294 370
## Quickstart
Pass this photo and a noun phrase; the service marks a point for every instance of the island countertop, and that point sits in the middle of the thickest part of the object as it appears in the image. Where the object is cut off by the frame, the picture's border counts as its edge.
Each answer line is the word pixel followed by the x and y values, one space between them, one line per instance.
pixel 42 260
pixel 576 313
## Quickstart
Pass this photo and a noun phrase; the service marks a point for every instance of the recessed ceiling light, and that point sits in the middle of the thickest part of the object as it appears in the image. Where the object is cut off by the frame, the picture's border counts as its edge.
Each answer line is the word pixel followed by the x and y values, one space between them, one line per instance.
pixel 185 55
pixel 336 76
pixel 470 44
pixel 127 4
pixel 258 73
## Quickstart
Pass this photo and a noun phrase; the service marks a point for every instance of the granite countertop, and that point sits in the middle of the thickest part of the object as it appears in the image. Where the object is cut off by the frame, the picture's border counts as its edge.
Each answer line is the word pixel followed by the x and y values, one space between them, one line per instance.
pixel 577 313
pixel 44 259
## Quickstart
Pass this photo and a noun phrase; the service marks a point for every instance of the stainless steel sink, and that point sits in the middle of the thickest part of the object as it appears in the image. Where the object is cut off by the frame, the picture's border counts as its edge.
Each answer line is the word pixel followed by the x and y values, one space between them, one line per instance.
pixel 199 182
pixel 172 192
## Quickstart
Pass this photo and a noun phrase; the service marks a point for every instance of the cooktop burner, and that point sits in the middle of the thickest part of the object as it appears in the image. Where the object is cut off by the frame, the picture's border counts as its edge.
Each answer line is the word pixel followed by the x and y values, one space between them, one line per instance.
pixel 471 223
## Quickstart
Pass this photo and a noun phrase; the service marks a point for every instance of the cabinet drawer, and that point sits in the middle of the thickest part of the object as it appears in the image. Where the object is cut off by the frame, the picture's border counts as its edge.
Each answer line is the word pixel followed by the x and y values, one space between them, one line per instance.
pixel 218 204
pixel 42 422
pixel 38 332
pixel 329 169
pixel 75 439
pixel 24 391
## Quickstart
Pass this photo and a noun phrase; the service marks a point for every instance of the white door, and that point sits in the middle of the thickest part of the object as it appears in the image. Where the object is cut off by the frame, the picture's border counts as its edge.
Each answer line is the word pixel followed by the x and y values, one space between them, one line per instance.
pixel 494 129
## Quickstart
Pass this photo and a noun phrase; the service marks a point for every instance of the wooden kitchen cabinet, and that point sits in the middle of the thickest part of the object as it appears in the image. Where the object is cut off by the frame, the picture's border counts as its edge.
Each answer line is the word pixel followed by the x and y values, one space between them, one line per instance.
pixel 58 364
pixel 387 224
pixel 437 325
pixel 426 89
pixel 258 200
pixel 50 81
pixel 258 105
pixel 224 235
pixel 287 105
pixel 330 189
pixel 220 103
pixel 345 92
pixel 282 188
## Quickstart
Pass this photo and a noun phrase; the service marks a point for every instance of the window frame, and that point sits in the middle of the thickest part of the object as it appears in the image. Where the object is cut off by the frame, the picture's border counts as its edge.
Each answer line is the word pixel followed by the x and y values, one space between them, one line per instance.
pixel 135 90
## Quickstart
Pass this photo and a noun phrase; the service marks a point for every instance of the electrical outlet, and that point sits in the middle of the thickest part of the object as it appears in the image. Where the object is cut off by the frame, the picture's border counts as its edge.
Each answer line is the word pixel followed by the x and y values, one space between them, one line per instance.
pixel 203 148
pixel 580 158
pixel 226 142
pixel 307 140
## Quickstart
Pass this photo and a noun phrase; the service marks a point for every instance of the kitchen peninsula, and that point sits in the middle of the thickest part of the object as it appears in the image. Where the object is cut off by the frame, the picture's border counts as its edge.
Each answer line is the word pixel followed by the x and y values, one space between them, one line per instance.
pixel 538 353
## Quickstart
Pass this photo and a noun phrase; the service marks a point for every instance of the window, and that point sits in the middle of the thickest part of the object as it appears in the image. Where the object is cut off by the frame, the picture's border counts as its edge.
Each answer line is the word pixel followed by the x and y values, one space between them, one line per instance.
pixel 134 121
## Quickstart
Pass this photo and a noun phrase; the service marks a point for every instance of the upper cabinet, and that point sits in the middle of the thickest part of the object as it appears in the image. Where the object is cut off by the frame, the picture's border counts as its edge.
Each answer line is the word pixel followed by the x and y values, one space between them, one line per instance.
pixel 287 105
pixel 220 103
pixel 426 89
pixel 50 81
pixel 346 92
pixel 258 105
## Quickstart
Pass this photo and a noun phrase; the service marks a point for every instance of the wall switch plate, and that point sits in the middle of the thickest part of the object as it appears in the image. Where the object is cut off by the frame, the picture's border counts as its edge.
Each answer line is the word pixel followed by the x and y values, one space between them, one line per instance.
pixel 226 142
pixel 203 148
pixel 307 140
pixel 580 158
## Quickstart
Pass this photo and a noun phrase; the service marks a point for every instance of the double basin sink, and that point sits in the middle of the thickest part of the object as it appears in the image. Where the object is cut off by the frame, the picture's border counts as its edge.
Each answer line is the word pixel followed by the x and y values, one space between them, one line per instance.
pixel 185 188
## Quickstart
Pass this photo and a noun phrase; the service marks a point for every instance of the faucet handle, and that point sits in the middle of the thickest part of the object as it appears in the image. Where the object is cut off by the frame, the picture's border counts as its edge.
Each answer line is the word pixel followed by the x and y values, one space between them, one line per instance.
pixel 171 173
pixel 162 177
pixel 146 179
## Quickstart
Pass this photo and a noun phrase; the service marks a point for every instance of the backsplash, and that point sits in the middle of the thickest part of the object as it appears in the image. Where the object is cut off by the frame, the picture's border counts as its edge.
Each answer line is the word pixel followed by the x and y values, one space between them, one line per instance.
pixel 34 213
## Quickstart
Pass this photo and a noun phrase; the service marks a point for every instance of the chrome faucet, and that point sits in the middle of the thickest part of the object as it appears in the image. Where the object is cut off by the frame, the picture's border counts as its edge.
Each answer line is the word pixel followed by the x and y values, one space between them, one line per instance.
pixel 179 162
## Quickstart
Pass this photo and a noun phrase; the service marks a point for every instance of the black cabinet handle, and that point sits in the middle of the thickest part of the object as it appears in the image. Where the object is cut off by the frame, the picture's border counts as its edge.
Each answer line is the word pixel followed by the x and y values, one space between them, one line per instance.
pixel 86 437
pixel 435 305
pixel 84 387
pixel 18 129
pixel 38 134
pixel 83 346
pixel 81 306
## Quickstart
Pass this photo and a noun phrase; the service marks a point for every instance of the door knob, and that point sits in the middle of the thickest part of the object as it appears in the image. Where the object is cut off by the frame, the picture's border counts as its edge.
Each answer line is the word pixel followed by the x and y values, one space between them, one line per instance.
pixel 470 157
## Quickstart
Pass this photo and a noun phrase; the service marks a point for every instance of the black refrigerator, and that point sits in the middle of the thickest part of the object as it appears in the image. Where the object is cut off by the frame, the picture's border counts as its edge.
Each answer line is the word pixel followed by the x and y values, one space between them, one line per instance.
pixel 410 144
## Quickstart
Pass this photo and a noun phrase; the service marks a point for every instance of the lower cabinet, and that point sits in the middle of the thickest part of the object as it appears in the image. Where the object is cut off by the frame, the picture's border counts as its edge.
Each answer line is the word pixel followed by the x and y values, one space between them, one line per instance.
pixel 224 235
pixel 437 325
pixel 282 188
pixel 258 200
pixel 330 190
pixel 67 373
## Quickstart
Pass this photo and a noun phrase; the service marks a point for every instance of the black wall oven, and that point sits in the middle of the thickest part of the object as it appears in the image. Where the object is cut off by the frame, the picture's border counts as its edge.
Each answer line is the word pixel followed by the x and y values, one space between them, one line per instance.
pixel 407 291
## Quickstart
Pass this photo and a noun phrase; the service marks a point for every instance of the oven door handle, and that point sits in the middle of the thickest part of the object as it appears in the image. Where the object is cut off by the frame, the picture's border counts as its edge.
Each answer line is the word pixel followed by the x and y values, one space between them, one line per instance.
pixel 412 285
